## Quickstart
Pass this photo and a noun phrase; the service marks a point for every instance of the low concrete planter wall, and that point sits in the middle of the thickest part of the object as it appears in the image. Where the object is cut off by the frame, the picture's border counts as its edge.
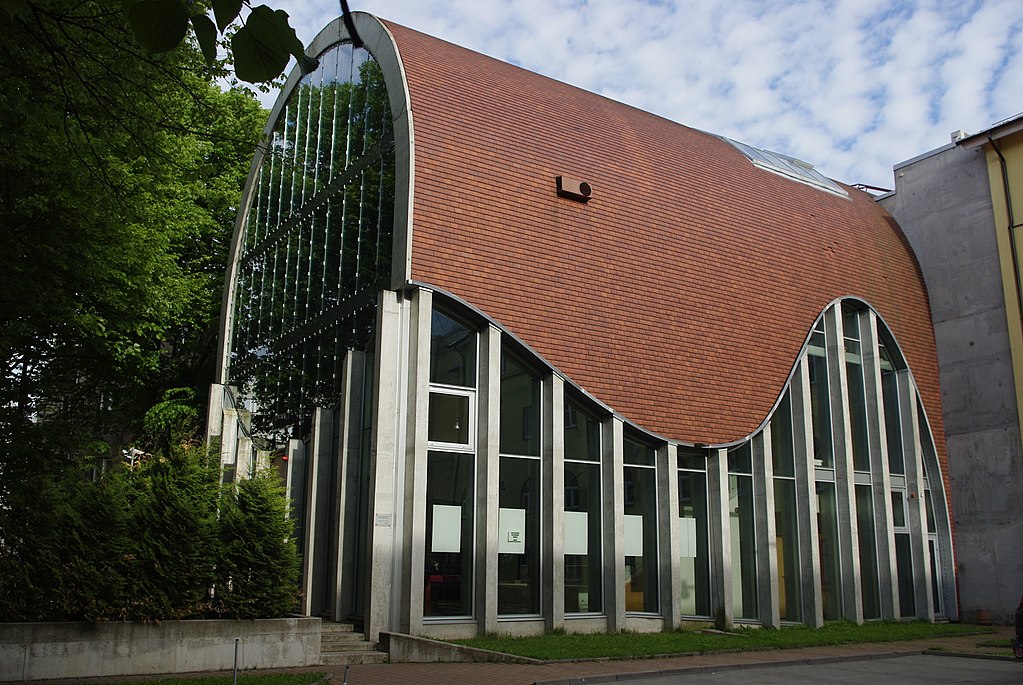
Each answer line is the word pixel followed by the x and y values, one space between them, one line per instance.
pixel 402 648
pixel 38 651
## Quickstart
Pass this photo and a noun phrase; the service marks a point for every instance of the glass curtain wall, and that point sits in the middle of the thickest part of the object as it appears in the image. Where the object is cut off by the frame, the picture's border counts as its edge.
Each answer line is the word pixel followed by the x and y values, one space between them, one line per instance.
pixel 742 529
pixel 694 564
pixel 316 246
pixel 641 559
pixel 451 469
pixel 785 513
pixel 518 558
pixel 857 401
pixel 584 590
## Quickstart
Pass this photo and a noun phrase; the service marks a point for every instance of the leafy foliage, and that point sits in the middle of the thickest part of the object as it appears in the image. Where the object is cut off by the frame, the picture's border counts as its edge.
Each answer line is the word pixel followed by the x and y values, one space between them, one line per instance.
pixel 118 190
pixel 259 566
pixel 143 541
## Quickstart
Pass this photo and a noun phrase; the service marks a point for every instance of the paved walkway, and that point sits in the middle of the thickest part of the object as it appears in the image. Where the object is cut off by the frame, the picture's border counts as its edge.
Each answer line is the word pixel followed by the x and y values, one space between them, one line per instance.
pixel 580 672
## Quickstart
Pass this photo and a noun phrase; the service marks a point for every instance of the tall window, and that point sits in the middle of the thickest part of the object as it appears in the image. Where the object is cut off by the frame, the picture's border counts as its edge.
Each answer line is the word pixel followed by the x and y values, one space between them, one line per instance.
pixel 583 549
pixel 785 513
pixel 451 469
pixel 903 555
pixel 820 399
pixel 828 548
pixel 518 558
pixel 694 565
pixel 640 471
pixel 742 532
pixel 317 242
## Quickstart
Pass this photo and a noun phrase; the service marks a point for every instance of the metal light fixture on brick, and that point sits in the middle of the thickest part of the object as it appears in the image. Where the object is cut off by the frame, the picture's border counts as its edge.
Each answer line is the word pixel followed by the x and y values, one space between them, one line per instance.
pixel 573 189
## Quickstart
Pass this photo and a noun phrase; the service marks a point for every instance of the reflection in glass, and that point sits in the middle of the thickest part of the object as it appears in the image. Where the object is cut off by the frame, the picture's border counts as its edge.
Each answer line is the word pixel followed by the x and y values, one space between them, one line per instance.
pixel 317 243
pixel 520 408
pixel 449 418
pixel 583 553
pixel 907 586
pixel 518 559
pixel 820 400
pixel 452 352
pixel 743 544
pixel 583 548
pixel 641 589
pixel 447 575
pixel 694 564
pixel 869 588
pixel 787 544
pixel 827 542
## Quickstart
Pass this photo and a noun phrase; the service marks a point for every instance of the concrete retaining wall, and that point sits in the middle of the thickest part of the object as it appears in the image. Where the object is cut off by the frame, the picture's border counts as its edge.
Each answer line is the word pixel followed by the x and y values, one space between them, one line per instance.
pixel 410 649
pixel 38 651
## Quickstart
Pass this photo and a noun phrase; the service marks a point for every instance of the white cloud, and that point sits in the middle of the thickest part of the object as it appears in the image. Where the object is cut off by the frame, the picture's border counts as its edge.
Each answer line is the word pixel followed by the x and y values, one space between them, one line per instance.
pixel 851 87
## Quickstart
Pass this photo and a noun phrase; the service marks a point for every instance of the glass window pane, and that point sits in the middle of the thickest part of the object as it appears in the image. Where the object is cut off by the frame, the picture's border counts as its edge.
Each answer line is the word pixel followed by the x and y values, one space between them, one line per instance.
pixel 582 433
pixel 641 589
pixel 820 406
pixel 449 418
pixel 740 459
pixel 907 587
pixel 787 543
pixel 638 453
pixel 898 509
pixel 695 556
pixel 583 552
pixel 518 558
pixel 782 451
pixel 869 588
pixel 449 535
pixel 692 460
pixel 857 414
pixel 520 408
pixel 827 534
pixel 743 543
pixel 452 352
pixel 892 421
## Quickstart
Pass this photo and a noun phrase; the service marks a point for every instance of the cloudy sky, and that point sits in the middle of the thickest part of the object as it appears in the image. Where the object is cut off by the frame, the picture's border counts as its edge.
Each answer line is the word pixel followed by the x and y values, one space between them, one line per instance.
pixel 851 86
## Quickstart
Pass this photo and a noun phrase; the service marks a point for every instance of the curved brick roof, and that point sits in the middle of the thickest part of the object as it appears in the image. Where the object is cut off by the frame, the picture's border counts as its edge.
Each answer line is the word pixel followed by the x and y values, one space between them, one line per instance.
pixel 681 294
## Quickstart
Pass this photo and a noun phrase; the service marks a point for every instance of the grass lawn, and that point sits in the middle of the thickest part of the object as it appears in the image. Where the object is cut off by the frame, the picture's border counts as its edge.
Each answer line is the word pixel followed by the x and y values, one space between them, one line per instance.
pixel 629 645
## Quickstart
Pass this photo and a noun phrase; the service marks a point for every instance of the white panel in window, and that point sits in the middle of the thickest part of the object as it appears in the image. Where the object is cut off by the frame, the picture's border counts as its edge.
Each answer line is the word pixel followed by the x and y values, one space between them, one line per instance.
pixel 687 537
pixel 447 528
pixel 576 532
pixel 511 525
pixel 633 535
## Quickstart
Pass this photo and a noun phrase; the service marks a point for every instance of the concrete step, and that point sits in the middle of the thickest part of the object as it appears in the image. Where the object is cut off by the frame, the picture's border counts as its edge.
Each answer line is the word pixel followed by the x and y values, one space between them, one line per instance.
pixel 353 658
pixel 347 646
pixel 332 627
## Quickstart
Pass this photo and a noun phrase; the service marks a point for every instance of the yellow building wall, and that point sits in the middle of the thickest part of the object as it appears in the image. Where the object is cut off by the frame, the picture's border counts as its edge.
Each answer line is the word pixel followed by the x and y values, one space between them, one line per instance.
pixel 1011 149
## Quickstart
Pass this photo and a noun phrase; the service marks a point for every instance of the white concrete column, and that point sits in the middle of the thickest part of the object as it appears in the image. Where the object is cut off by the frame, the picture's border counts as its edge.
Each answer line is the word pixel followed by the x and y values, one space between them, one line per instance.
pixel 553 521
pixel 381 545
pixel 229 444
pixel 317 458
pixel 806 496
pixel 215 413
pixel 349 424
pixel 668 532
pixel 845 483
pixel 916 506
pixel 413 575
pixel 720 534
pixel 766 530
pixel 884 531
pixel 612 437
pixel 488 478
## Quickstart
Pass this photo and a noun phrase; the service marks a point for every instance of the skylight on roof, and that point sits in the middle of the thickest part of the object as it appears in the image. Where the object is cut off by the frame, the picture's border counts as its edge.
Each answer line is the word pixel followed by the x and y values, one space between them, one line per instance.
pixel 790 167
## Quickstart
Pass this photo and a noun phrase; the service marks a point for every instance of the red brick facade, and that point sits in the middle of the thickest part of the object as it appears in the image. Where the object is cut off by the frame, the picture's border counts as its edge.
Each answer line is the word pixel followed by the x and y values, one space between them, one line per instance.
pixel 681 293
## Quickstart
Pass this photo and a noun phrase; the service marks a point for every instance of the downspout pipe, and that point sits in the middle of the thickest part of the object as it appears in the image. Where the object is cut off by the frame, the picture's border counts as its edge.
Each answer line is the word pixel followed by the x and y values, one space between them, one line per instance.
pixel 1012 223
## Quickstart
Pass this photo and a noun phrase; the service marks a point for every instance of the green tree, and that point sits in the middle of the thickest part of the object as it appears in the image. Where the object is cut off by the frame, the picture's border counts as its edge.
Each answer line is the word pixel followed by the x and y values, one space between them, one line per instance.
pixel 118 189
pixel 259 568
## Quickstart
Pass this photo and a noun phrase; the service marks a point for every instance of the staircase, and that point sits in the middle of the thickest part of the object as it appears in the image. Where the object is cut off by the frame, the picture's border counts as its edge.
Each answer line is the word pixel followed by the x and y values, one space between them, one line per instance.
pixel 340 645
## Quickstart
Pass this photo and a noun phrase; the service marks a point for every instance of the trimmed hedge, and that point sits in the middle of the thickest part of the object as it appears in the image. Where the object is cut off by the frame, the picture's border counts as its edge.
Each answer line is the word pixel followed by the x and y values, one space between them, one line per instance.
pixel 153 540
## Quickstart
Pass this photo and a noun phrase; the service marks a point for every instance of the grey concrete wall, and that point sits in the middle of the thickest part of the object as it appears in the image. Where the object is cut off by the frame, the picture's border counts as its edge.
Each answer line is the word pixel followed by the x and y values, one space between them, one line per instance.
pixel 42 651
pixel 942 201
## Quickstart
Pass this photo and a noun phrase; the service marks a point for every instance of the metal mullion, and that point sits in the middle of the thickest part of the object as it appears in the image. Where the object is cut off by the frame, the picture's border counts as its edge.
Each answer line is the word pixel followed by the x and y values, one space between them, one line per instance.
pixel 281 168
pixel 344 196
pixel 295 147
